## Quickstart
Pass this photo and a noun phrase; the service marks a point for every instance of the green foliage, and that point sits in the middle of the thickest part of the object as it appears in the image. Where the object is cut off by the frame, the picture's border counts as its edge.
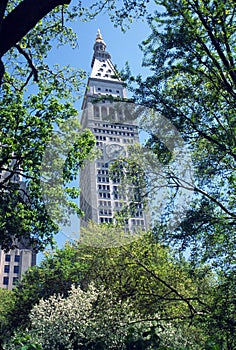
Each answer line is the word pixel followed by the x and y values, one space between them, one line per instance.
pixel 33 128
pixel 137 270
pixel 191 53
pixel 6 303
pixel 24 342
pixel 42 146
pixel 193 86
pixel 55 275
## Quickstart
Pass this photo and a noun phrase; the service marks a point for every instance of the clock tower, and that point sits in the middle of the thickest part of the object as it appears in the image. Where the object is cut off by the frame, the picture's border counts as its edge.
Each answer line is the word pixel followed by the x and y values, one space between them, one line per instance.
pixel 101 197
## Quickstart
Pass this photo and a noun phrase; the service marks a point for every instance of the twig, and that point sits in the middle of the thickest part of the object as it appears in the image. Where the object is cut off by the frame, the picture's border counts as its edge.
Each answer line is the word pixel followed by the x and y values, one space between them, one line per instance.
pixel 29 60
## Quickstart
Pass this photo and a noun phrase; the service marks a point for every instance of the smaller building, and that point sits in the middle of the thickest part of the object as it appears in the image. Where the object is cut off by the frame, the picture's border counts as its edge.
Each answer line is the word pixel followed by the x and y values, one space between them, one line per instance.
pixel 14 264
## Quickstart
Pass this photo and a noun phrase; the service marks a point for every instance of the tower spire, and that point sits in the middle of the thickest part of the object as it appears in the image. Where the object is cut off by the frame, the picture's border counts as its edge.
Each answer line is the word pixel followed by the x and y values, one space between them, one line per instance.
pixel 99 36
pixel 99 46
pixel 102 66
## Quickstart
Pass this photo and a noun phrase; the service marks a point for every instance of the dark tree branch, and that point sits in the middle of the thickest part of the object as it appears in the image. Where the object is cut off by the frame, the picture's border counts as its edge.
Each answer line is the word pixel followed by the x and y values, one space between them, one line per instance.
pixel 166 284
pixel 3 5
pixel 29 60
pixel 22 19
pixel 215 43
pixel 26 81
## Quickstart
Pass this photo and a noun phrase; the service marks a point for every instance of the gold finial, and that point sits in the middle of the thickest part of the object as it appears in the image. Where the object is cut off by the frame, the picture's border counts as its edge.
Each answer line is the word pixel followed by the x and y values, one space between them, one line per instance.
pixel 99 36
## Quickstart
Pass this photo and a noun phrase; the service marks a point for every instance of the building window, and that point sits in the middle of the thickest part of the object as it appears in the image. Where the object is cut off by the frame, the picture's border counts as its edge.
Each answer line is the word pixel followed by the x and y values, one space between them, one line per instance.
pixel 7 268
pixel 96 112
pixel 104 113
pixel 16 269
pixel 5 281
pixel 8 257
pixel 17 258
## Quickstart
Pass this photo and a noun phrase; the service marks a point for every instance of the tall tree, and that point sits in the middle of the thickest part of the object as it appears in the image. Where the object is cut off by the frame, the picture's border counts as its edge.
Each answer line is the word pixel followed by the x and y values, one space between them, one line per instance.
pixel 191 52
pixel 161 288
pixel 30 186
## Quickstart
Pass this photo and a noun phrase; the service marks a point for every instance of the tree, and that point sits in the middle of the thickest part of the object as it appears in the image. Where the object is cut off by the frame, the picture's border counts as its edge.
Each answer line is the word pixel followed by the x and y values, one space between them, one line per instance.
pixel 92 319
pixel 29 183
pixel 159 288
pixel 191 52
pixel 7 300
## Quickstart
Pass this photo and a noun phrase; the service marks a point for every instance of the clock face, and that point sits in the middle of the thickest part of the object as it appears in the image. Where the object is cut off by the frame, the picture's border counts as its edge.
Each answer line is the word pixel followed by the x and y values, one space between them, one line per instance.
pixel 115 151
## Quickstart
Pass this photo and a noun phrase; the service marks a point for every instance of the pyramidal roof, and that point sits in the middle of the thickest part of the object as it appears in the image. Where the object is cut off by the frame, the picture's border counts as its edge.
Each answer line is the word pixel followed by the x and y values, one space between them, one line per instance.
pixel 102 66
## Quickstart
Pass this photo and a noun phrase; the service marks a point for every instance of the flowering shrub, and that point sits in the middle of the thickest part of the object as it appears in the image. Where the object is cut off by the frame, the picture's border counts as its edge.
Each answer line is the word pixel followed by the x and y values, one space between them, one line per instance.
pixel 84 320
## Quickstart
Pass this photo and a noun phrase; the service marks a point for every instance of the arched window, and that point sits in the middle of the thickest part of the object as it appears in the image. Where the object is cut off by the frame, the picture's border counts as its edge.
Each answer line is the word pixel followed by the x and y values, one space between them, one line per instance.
pixel 111 113
pixel 96 112
pixel 104 112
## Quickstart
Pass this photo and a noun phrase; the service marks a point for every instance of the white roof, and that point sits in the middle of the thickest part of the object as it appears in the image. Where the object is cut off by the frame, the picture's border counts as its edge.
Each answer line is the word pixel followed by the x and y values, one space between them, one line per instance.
pixel 104 69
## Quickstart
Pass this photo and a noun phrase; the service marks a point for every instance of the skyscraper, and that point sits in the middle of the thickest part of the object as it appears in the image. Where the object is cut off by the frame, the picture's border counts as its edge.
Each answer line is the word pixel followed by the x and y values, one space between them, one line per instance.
pixel 101 197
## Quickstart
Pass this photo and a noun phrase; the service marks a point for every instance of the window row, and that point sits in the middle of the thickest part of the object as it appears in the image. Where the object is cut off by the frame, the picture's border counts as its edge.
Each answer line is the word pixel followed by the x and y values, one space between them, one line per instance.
pixel 137 222
pixel 104 203
pixel 103 138
pixel 101 69
pixel 16 268
pixel 105 212
pixel 103 179
pixel 102 165
pixel 8 258
pixel 6 280
pixel 113 132
pixel 102 172
pixel 116 181
pixel 115 126
pixel 116 139
pixel 105 220
pixel 118 204
pixel 117 195
pixel 104 195
pixel 104 187
pixel 107 90
pixel 128 140
pixel 100 74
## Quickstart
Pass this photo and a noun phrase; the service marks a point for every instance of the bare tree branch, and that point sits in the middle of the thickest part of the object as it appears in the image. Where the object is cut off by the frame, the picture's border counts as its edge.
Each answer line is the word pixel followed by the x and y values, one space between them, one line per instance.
pixel 29 60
